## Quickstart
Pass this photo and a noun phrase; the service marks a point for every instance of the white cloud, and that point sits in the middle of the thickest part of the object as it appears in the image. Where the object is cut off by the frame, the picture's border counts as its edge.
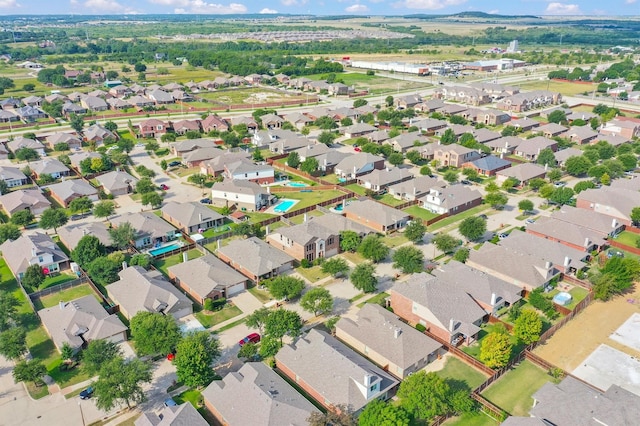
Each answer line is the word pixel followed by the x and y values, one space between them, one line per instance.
pixel 266 10
pixel 563 9
pixel 629 1
pixel 493 12
pixel 106 6
pixel 356 8
pixel 171 2
pixel 9 4
pixel 428 4
pixel 202 7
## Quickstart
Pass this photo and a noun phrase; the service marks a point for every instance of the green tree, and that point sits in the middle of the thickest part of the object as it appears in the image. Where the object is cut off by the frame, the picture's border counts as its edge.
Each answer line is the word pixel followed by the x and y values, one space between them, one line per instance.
pixel 152 199
pixel 605 150
pixel 104 209
pixel 53 218
pixel 76 122
pixel 408 259
pixel 88 249
pixel 338 415
pixel 195 355
pixel 372 248
pixel 450 176
pixel 461 255
pixel 605 179
pixel 258 318
pixel 528 326
pixel 29 371
pixel 536 183
pixel 198 179
pixel 495 350
pixel 360 103
pixel 349 241
pixel 283 322
pixel 154 333
pixel 629 161
pixel 293 160
pixel 525 205
pixel 269 346
pixel 510 183
pixel 546 158
pixel 448 137
pixel 103 271
pixel 335 266
pixel 98 353
pixel 125 145
pixel 496 200
pixel 8 231
pixel 363 277
pixel 122 236
pixel 80 205
pixel 33 277
pixel 415 231
pixel 120 381
pixel 388 100
pixel 62 147
pixel 562 195
pixel 13 343
pixel 380 413
pixel 396 159
pixel 414 157
pixel 248 351
pixel 27 154
pixel 317 301
pixel 9 305
pixel 326 137
pixel 425 171
pixel 617 275
pixel 145 185
pixel 424 395
pixel 577 165
pixel 554 175
pixel 557 116
pixel 286 287
pixel 445 243
pixel 546 191
pixel 22 218
pixel 635 216
pixel 309 165
pixel 583 185
pixel 473 228
pixel 66 353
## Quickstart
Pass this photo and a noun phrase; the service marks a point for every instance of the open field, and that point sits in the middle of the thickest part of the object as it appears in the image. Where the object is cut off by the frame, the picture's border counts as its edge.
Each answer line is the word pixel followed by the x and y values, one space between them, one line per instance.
pixel 566 88
pixel 250 96
pixel 574 342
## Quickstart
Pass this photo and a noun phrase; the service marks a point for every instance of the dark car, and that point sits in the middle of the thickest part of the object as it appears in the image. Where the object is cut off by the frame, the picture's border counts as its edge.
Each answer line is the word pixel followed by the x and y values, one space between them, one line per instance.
pixel 483 216
pixel 86 394
pixel 174 164
pixel 164 187
pixel 465 182
pixel 252 338
pixel 206 201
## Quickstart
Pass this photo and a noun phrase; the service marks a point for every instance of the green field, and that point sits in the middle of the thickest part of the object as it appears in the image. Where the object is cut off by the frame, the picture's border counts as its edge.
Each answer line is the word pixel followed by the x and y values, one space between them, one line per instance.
pixel 419 212
pixel 312 274
pixel 628 238
pixel 252 96
pixel 210 319
pixel 64 296
pixel 472 419
pixel 566 88
pixel 164 264
pixel 308 198
pixel 458 217
pixel 461 375
pixel 513 391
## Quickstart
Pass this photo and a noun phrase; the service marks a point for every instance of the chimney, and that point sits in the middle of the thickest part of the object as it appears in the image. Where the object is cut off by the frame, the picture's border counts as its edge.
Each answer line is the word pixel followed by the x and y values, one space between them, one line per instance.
pixel 305 218
pixel 266 228
pixel 451 325
pixel 34 253
pixel 200 217
pixel 414 191
pixel 355 171
pixel 268 190
pixel 397 332
pixel 502 155
pixel 84 231
pixel 586 242
pixel 438 142
pixel 567 260
pixel 546 167
pixel 124 265
pixel 62 304
pixel 185 256
pixel 325 162
pixel 547 265
pixel 368 379
pixel 493 299
pixel 218 244
pixel 614 224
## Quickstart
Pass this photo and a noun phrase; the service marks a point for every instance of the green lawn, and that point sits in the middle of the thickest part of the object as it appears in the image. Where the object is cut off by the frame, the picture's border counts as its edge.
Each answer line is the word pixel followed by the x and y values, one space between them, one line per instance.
pixel 354 258
pixel 164 264
pixel 333 178
pixel 64 295
pixel 377 299
pixel 390 200
pixel 513 391
pixel 472 419
pixel 212 232
pixel 300 218
pixel 627 238
pixel 307 199
pixel 394 240
pixel 57 279
pixel 312 274
pixel 578 294
pixel 458 217
pixel 255 217
pixel 262 295
pixel 474 349
pixel 419 212
pixel 356 188
pixel 461 375
pixel 210 319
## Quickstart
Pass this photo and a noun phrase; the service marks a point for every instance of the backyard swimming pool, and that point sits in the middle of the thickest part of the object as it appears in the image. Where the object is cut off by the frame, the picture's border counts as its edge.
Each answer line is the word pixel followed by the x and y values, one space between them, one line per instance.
pixel 165 249
pixel 283 206
pixel 563 298
pixel 297 184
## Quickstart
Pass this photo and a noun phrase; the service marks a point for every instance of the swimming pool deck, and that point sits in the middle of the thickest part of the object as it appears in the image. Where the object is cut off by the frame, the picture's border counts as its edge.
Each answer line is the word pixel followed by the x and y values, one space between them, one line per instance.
pixel 272 210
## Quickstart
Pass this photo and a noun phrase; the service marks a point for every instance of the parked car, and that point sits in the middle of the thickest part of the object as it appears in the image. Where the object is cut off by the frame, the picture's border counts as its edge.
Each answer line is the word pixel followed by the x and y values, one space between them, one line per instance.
pixel 86 394
pixel 616 253
pixel 174 164
pixel 169 402
pixel 465 182
pixel 164 187
pixel 559 184
pixel 205 201
pixel 530 220
pixel 483 216
pixel 503 236
pixel 251 338
pixel 357 149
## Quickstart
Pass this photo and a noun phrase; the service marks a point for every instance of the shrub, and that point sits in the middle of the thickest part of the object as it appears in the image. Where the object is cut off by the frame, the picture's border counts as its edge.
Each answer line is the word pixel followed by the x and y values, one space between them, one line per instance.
pixel 208 305
pixel 421 328
pixel 305 263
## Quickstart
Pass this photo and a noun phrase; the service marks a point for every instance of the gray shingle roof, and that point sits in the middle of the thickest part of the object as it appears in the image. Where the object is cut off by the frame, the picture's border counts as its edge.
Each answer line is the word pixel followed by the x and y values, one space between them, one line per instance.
pixel 192 144
pixel 72 233
pixel 552 251
pixel 255 255
pixel 23 198
pixel 21 253
pixel 376 212
pixel 523 172
pixel 567 232
pixel 190 214
pixel 490 162
pixel 145 223
pixel 206 273
pixel 587 218
pixel 117 180
pixel 72 188
pixel 612 201
pixel 48 166
pixel 181 415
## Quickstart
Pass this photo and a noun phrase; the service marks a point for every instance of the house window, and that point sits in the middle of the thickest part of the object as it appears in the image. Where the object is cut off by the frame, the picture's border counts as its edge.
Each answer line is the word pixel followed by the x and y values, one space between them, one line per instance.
pixel 373 388
pixel 40 259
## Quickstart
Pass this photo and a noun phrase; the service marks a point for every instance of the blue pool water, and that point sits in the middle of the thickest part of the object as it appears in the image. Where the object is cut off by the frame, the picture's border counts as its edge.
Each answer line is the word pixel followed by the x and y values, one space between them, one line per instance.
pixel 338 208
pixel 342 180
pixel 562 298
pixel 297 184
pixel 161 250
pixel 283 206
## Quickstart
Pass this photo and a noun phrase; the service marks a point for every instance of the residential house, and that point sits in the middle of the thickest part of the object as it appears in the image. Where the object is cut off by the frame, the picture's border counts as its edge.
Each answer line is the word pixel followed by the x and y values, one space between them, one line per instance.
pixel 614 140
pixel 430 126
pixel 298 119
pixel 580 134
pixel 119 91
pixel 78 157
pixel 24 199
pixel 488 166
pixel 408 101
pixel 620 126
pixel 29 114
pixel 140 101
pixel 71 234
pixel 573 402
pixel 358 164
pixel 50 166
pixel 566 259
pixel 529 149
pixel 72 141
pixel 33 249
pixel 191 217
pixel 207 277
pixel 10 103
pixel 522 172
pixel 245 169
pixel 199 156
pixel 451 200
pixel 271 121
pixel 564 154
pixel 569 234
pixel 379 217
pixel 81 321
pixel 390 343
pixel 22 142
pixel 215 165
pixel 183 147
pixel 338 89
pixel 150 230
pixel 255 259
pixel 521 102
pixel 8 116
pixel 452 109
pixel 70 108
pixel 328 162
pixel 13 176
pixel 525 124
pixel 490 117
pixel 550 130
pixel 414 189
pixel 333 374
pixel 379 180
pixel 139 290
pixel 446 311
pixel 315 238
pixel 264 138
pixel 66 191
pixel 528 271
pixel 4 152
pixel 151 128
pixel 213 122
pixel 505 145
pixel 465 95
pixel 357 130
pixel 181 127
pixel 97 134
pixel 454 155
pixel 312 150
pixel 405 141
pixel 252 125
pixel 93 103
pixel 597 222
pixel 429 106
pixel 160 97
pixel 34 101
pixel 241 194
pixel 288 144
pixel 483 135
pixel 273 401
pixel 117 183
pixel 183 414
pixel 378 137
pixel 612 201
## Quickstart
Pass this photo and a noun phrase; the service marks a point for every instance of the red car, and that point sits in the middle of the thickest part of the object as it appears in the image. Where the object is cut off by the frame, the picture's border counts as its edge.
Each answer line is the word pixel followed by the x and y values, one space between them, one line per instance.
pixel 357 149
pixel 252 338
pixel 164 187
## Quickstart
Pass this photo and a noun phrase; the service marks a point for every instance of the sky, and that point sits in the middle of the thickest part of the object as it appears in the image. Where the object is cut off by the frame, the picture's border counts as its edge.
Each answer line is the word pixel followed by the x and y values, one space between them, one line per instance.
pixel 321 7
